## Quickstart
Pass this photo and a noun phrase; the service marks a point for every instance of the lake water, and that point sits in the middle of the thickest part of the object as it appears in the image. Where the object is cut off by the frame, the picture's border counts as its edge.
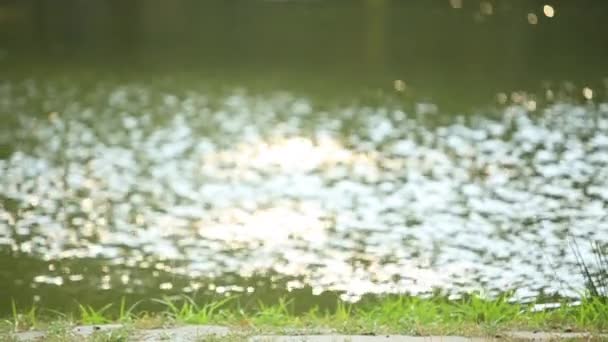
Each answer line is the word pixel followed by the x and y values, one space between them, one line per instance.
pixel 343 148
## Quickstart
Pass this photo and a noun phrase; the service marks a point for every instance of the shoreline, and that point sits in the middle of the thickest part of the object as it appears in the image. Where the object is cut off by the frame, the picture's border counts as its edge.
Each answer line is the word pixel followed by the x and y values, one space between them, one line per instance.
pixel 404 317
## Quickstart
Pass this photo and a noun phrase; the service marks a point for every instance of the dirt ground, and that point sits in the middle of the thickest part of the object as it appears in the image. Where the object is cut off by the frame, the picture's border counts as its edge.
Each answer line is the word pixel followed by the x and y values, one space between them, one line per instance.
pixel 197 333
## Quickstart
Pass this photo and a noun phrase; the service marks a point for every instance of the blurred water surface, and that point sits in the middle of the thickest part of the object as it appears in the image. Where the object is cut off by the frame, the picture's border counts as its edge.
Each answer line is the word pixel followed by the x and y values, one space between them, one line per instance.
pixel 311 146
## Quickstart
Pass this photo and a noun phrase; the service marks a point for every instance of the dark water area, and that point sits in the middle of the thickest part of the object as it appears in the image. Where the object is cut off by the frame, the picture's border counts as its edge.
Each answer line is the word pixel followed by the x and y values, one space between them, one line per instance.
pixel 319 148
pixel 458 53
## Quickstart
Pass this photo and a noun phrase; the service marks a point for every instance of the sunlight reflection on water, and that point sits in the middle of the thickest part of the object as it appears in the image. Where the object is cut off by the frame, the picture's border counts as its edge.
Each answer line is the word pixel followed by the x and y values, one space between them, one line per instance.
pixel 360 199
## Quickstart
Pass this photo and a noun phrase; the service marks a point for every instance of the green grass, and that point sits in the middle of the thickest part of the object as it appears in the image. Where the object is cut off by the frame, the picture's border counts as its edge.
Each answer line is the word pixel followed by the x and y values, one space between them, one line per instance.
pixel 89 315
pixel 472 315
pixel 596 281
pixel 189 311
pixel 25 319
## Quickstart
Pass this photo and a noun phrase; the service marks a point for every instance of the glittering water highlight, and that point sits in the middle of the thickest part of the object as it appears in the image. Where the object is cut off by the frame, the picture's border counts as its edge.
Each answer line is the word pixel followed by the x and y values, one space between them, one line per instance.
pixel 355 199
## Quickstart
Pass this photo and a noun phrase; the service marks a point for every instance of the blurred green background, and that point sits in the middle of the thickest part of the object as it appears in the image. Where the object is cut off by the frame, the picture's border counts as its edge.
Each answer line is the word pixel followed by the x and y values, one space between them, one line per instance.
pixel 457 52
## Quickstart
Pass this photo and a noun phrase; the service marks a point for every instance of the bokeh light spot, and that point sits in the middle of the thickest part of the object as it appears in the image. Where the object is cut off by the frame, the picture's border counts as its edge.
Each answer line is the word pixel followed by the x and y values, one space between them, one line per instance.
pixel 456 3
pixel 588 93
pixel 399 85
pixel 486 8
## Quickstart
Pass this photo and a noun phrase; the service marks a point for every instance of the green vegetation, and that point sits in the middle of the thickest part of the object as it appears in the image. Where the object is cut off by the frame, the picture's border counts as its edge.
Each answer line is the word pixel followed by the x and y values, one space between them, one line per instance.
pixel 472 315
pixel 596 282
